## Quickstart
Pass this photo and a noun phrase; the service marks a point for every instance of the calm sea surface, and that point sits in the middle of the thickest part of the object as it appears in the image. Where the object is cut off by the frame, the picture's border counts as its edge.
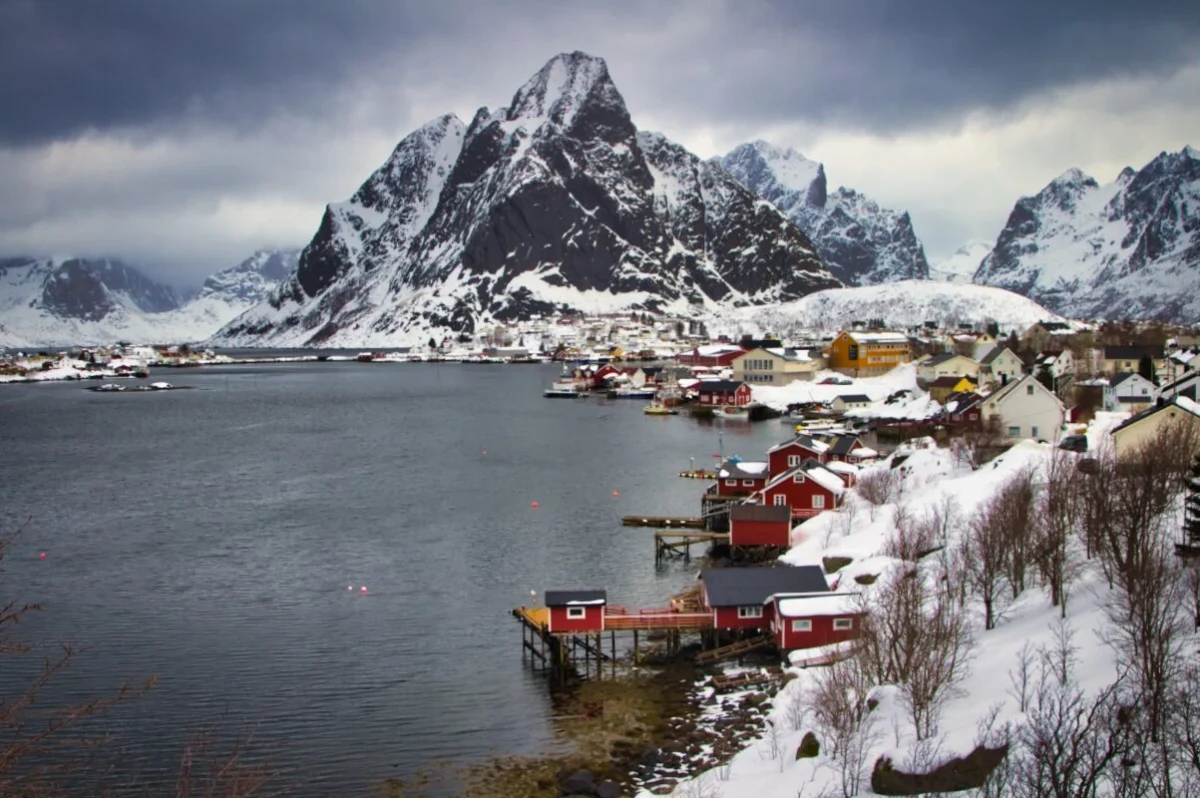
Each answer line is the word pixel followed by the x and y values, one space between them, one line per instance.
pixel 207 537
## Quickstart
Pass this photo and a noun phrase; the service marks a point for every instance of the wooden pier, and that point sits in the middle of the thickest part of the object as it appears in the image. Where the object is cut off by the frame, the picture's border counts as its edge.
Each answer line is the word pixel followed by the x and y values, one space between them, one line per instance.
pixel 722 683
pixel 663 522
pixel 737 649
pixel 678 545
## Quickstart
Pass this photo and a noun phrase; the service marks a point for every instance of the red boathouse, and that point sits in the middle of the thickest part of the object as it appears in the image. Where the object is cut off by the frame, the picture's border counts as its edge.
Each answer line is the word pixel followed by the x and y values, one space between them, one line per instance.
pixel 739 478
pixel 756 525
pixel 737 596
pixel 722 393
pixel 809 620
pixel 576 610
pixel 808 489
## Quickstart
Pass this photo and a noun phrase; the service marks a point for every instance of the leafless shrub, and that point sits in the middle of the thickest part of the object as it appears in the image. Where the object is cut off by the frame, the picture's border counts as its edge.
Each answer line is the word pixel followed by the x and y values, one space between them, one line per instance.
pixel 1020 678
pixel 1014 510
pixel 912 537
pixel 1055 520
pixel 879 486
pixel 984 552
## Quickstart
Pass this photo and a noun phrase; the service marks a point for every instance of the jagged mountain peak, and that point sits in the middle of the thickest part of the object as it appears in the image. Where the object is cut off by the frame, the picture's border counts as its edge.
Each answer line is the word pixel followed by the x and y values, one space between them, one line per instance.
pixel 553 203
pixel 562 87
pixel 1130 248
pixel 859 241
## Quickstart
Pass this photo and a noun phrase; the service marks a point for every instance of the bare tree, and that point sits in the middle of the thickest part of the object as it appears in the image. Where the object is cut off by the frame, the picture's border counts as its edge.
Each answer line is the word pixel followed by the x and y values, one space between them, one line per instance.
pixel 985 558
pixel 879 486
pixel 1013 508
pixel 1055 521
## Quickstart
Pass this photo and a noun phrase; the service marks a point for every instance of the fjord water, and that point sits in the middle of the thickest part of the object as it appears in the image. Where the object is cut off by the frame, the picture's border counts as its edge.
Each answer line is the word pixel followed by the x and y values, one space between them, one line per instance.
pixel 207 537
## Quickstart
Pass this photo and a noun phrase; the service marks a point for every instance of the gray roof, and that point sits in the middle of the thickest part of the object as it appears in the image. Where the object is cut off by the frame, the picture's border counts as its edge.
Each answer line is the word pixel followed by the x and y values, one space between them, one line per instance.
pixel 744 587
pixel 760 512
pixel 854 397
pixel 942 358
pixel 561 598
pixel 992 354
pixel 842 444
pixel 735 470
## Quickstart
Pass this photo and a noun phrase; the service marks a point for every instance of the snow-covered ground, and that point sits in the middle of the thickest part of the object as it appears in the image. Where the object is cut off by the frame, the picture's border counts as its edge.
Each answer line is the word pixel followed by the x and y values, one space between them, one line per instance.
pixel 933 479
pixel 907 303
pixel 961 266
pixel 877 388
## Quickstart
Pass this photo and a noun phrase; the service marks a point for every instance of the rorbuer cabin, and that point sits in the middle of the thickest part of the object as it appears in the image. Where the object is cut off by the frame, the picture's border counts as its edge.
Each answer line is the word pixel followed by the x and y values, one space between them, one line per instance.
pixel 809 620
pixel 715 393
pixel 576 610
pixel 790 454
pixel 737 596
pixel 808 489
pixel 738 478
pixel 759 525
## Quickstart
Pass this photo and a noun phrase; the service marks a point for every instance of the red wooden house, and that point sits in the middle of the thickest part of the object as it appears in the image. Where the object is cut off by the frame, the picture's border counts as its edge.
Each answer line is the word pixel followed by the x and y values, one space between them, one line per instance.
pixel 808 489
pixel 738 597
pixel 756 525
pixel 576 610
pixel 738 478
pixel 809 620
pixel 847 449
pixel 963 410
pixel 790 454
pixel 716 356
pixel 719 393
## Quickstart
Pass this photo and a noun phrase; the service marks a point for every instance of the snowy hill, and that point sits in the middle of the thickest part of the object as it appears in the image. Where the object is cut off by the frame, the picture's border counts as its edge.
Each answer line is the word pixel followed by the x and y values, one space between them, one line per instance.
pixel 860 242
pixel 553 202
pixel 58 301
pixel 908 303
pixel 1130 248
pixel 962 265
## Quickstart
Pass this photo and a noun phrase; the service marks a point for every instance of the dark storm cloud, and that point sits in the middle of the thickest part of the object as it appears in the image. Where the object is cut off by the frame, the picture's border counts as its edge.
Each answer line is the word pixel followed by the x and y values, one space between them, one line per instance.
pixel 67 66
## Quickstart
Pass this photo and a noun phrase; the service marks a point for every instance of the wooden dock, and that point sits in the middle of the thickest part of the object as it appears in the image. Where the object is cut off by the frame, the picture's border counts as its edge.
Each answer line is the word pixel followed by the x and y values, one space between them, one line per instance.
pixel 662 522
pixel 699 474
pixel 722 683
pixel 734 649
pixel 678 545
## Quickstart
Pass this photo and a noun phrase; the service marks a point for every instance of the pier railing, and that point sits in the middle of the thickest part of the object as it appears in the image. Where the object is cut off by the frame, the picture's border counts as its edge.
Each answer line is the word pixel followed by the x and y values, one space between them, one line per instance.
pixel 657 619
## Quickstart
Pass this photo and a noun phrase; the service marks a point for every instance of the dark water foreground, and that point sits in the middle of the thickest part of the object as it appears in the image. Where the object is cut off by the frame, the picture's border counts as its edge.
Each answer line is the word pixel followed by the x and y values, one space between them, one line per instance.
pixel 208 537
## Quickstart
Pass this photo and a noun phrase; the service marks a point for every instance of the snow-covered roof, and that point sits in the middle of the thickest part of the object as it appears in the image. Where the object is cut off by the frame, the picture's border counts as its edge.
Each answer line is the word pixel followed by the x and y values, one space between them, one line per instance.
pixel 826 479
pixel 841 467
pixel 878 337
pixel 818 605
pixel 744 470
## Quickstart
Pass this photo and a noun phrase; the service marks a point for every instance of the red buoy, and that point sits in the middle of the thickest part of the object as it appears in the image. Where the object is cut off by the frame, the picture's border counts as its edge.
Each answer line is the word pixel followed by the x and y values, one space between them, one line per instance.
pixel 363 589
pixel 533 505
pixel 43 555
pixel 616 493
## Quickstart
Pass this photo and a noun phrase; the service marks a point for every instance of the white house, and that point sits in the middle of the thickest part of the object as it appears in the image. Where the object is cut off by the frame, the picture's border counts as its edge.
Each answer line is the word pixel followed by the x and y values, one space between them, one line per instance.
pixel 849 401
pixel 1186 384
pixel 775 366
pixel 947 364
pixel 1059 364
pixel 1134 392
pixel 1000 366
pixel 1024 409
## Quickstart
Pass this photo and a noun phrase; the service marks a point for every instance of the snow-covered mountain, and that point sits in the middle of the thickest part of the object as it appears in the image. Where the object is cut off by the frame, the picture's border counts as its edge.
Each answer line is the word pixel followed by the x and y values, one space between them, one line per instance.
pixel 1130 248
pixel 553 202
pixel 962 265
pixel 903 304
pixel 860 242
pixel 58 301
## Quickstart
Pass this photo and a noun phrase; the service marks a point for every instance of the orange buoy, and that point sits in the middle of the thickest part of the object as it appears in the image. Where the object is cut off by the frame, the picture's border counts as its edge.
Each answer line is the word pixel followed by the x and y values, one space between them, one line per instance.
pixel 616 493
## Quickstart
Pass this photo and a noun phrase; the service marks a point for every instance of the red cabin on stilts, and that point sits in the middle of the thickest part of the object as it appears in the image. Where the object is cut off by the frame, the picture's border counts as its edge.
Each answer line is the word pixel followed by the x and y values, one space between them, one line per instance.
pixel 576 610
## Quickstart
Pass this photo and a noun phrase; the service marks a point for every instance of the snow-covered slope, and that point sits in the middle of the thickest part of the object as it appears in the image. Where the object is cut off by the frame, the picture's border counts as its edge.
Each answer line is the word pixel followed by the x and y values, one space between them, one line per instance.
pixel 56 301
pixel 962 265
pixel 860 242
pixel 1130 248
pixel 908 303
pixel 553 202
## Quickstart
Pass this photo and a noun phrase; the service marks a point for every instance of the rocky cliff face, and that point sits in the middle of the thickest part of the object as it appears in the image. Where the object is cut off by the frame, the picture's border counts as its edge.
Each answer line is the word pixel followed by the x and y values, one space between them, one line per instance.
pixel 554 202
pixel 1130 248
pixel 81 289
pixel 860 242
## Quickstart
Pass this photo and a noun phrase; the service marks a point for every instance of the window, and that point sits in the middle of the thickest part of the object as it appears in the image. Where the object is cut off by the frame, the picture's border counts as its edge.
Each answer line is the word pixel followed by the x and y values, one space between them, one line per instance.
pixel 798 479
pixel 729 483
pixel 802 626
pixel 1029 389
pixel 749 612
pixel 780 500
pixel 1033 432
pixel 575 613
pixel 843 623
pixel 749 483
pixel 1014 432
pixel 818 502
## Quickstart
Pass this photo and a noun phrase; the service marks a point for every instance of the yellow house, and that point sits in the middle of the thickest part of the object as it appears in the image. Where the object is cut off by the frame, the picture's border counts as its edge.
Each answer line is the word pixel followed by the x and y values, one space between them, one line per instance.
pixel 862 354
pixel 941 388
pixel 1180 415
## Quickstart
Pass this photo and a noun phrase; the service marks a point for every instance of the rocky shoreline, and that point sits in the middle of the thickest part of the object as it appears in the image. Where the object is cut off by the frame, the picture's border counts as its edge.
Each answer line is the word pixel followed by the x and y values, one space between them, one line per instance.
pixel 648 728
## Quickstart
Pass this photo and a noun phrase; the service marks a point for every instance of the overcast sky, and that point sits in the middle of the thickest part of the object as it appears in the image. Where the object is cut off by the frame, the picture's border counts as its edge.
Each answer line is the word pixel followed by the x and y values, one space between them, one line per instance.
pixel 182 135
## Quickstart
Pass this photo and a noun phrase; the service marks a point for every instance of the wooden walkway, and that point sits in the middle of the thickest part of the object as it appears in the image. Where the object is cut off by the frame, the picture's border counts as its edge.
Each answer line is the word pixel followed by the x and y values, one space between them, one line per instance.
pixel 662 521
pixel 658 621
pixel 734 649
pixel 679 544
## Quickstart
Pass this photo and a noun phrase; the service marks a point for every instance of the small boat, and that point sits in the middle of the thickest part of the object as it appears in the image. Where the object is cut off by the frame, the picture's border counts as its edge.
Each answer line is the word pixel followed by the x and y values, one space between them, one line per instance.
pixel 731 412
pixel 657 408
pixel 634 393
pixel 561 393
